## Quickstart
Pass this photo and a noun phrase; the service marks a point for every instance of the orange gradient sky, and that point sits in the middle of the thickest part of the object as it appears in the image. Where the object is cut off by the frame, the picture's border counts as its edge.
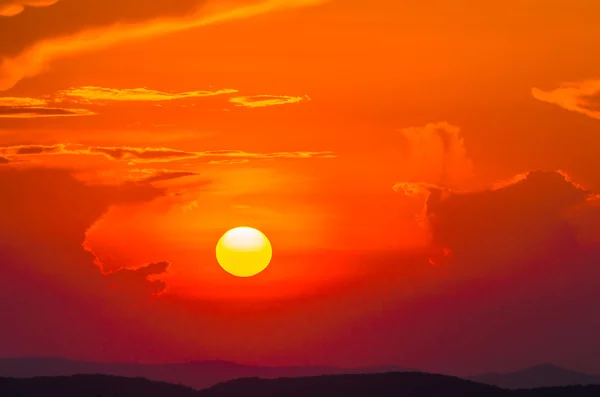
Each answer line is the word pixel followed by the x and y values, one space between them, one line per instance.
pixel 402 157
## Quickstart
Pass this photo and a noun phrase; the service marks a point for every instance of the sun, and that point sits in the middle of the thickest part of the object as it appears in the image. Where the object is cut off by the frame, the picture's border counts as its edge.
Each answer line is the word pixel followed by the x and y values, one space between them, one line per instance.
pixel 244 251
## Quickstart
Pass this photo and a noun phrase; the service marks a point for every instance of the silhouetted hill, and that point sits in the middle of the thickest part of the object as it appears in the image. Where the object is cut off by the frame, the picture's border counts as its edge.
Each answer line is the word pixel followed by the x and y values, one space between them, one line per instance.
pixel 196 374
pixel 538 376
pixel 407 384
pixel 565 391
pixel 90 386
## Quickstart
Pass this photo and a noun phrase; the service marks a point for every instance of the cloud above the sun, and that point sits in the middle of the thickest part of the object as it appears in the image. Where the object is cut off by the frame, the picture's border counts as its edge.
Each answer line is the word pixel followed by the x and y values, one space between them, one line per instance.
pixel 261 101
pixel 580 97
pixel 11 8
pixel 91 100
pixel 156 155
pixel 95 95
pixel 137 21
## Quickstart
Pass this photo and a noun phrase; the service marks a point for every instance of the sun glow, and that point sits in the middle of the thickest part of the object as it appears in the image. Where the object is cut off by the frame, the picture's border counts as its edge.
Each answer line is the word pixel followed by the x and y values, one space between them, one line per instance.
pixel 244 252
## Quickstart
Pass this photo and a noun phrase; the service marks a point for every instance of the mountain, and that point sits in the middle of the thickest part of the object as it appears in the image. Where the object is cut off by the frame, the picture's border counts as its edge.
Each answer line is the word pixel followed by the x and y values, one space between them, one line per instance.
pixel 406 384
pixel 90 386
pixel 195 374
pixel 537 377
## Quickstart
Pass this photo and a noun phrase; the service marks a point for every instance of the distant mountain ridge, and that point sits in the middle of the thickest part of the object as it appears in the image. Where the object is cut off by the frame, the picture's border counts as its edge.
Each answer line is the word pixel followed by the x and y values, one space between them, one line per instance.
pixel 393 384
pixel 204 374
pixel 195 374
pixel 547 375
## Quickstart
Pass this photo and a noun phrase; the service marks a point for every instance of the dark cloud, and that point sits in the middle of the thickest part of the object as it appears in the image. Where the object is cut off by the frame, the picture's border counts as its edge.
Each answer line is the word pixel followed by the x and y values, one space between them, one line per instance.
pixel 4 160
pixel 501 228
pixel 118 153
pixel 53 297
pixel 513 273
pixel 38 149
pixel 38 38
pixel 33 112
pixel 167 175
pixel 59 20
pixel 45 217
pixel 136 280
pixel 158 154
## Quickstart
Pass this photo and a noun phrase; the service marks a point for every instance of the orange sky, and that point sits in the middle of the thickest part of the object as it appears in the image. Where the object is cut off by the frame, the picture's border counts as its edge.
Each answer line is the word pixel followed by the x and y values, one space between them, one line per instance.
pixel 328 125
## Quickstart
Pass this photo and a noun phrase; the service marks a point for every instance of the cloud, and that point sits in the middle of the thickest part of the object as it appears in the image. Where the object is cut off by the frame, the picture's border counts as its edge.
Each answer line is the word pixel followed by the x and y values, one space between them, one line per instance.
pixel 504 226
pixel 228 161
pixel 62 103
pixel 130 153
pixel 43 216
pixel 261 101
pixel 4 160
pixel 510 214
pixel 161 176
pixel 27 108
pixel 580 97
pixel 128 280
pixel 37 56
pixel 38 149
pixel 411 189
pixel 10 8
pixel 189 206
pixel 93 95
pixel 21 102
pixel 33 113
pixel 149 155
pixel 436 154
pixel 52 286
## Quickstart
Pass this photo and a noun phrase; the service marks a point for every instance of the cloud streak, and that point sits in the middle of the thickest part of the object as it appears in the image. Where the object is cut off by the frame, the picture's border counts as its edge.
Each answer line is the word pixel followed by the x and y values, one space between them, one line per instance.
pixel 11 8
pixel 69 102
pixel 94 95
pixel 156 155
pixel 37 57
pixel 261 101
pixel 580 97
pixel 28 108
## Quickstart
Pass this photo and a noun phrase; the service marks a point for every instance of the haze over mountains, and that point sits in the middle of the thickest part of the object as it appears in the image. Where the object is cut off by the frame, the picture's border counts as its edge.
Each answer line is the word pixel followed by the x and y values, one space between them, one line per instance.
pixel 195 374
pixel 204 374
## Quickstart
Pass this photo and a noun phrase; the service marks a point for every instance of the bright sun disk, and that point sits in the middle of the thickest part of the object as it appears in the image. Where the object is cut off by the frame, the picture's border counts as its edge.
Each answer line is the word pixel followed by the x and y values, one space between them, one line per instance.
pixel 244 251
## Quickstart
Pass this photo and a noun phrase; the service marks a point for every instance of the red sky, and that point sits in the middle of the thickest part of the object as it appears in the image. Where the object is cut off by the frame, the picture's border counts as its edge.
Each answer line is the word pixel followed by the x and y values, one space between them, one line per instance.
pixel 426 173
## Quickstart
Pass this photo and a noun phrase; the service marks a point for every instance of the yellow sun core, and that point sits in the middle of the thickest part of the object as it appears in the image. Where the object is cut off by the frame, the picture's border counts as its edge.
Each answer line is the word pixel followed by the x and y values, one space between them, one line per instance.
pixel 244 251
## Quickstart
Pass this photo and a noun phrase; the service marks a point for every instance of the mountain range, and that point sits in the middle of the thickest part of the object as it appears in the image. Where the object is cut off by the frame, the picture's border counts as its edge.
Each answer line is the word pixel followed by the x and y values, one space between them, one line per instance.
pixel 538 376
pixel 195 374
pixel 204 374
pixel 405 384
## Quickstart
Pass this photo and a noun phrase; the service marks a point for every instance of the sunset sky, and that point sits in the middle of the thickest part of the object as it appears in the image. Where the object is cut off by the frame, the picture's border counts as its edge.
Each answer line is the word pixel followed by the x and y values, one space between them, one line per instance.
pixel 426 173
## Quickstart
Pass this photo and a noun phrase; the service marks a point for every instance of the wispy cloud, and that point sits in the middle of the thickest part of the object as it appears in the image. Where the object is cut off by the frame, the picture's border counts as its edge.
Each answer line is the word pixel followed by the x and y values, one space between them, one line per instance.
pixel 580 97
pixel 437 155
pixel 68 102
pixel 10 8
pixel 261 101
pixel 130 153
pixel 151 176
pixel 94 95
pixel 413 189
pixel 28 108
pixel 157 155
pixel 228 161
pixel 36 58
